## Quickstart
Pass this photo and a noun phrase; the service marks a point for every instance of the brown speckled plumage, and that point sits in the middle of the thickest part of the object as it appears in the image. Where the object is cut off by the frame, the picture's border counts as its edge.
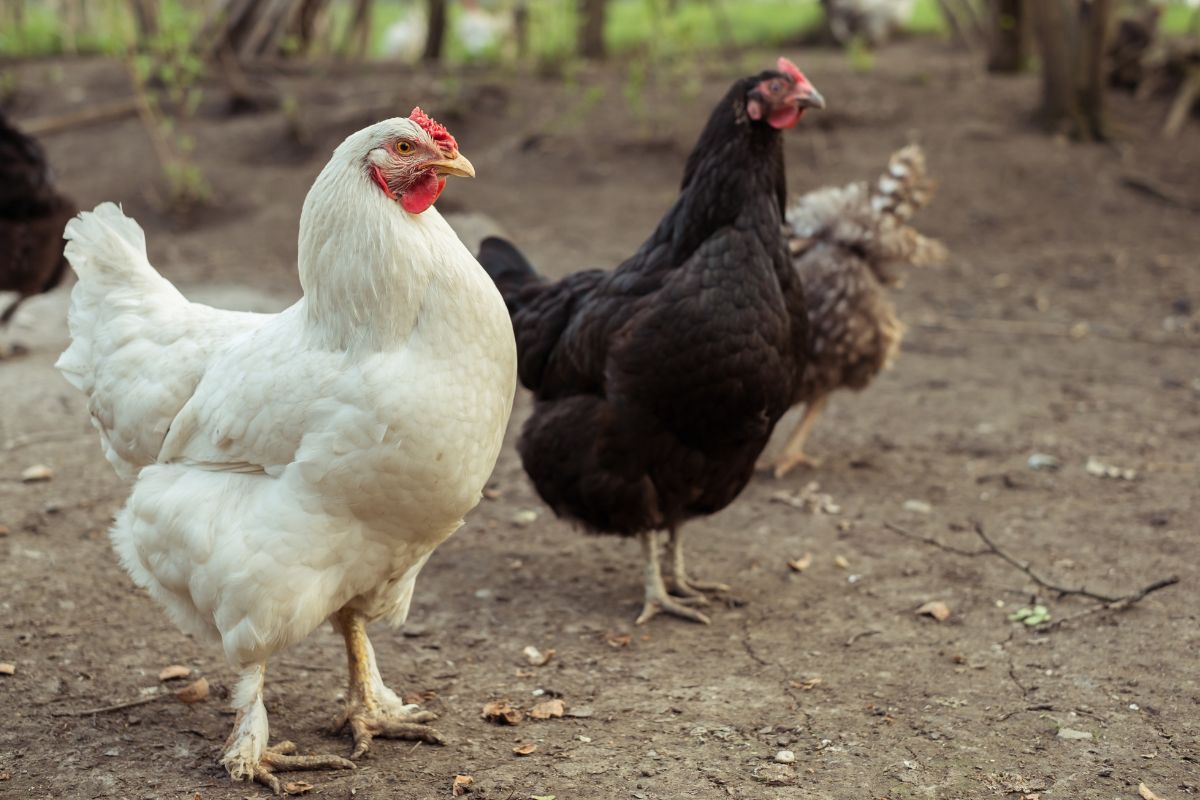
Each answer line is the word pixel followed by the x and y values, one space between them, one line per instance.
pixel 846 243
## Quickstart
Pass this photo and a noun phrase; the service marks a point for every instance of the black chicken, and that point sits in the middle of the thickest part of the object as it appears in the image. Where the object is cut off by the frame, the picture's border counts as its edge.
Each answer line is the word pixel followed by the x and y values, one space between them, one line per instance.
pixel 657 385
pixel 32 217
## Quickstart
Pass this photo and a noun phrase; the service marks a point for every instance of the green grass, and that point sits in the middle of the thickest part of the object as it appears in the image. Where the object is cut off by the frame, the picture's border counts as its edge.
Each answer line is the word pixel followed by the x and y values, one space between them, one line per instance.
pixel 1178 20
pixel 634 26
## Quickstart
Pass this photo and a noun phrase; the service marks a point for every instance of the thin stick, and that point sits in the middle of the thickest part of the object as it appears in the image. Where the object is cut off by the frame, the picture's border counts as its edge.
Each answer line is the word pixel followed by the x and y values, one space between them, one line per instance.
pixel 43 126
pixel 1019 327
pixel 1063 591
pixel 26 439
pixel 1120 604
pixel 929 540
pixel 141 701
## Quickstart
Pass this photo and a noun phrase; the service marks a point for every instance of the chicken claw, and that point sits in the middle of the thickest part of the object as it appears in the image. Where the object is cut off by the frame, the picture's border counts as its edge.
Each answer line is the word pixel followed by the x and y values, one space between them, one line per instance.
pixel 372 708
pixel 676 606
pixel 389 721
pixel 788 462
pixel 685 587
pixel 281 758
pixel 657 599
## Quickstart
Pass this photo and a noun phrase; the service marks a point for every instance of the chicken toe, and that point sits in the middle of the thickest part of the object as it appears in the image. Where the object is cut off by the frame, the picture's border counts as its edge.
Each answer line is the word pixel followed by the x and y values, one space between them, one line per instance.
pixel 685 587
pixel 281 758
pixel 399 721
pixel 657 599
pixel 372 708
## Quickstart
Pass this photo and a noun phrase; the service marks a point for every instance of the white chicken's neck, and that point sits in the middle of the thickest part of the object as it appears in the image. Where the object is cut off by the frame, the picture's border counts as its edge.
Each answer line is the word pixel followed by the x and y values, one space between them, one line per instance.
pixel 366 264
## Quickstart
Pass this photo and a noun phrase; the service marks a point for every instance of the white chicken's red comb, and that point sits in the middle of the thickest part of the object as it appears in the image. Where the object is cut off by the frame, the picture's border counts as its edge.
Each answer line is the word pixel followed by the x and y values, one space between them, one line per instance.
pixel 436 130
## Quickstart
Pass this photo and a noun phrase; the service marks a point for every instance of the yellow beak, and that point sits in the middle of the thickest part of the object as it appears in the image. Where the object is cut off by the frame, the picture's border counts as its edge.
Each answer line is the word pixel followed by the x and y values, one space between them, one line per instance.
pixel 454 166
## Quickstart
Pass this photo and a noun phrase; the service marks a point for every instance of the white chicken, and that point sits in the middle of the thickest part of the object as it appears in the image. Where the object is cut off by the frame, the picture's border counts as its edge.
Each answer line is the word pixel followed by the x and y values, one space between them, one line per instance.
pixel 302 466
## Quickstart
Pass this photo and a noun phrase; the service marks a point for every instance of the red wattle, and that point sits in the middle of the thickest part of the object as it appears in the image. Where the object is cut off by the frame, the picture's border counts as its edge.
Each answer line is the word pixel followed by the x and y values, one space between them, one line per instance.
pixel 422 192
pixel 783 118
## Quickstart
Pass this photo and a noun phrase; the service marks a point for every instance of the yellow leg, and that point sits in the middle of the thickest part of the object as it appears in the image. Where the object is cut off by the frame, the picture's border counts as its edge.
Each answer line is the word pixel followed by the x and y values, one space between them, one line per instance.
pixel 657 599
pixel 372 709
pixel 793 452
pixel 685 586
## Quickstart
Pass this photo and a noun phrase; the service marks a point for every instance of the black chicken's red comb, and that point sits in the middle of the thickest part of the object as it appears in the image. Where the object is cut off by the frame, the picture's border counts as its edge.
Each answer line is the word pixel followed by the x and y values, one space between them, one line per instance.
pixel 435 129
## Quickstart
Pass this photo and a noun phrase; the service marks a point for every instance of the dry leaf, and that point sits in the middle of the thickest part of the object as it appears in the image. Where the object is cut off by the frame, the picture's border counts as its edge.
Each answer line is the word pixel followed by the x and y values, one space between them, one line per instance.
pixel 618 639
pixel 808 684
pixel 5 530
pixel 936 609
pixel 37 473
pixel 802 563
pixel 547 709
pixel 1146 794
pixel 5 776
pixel 461 785
pixel 525 749
pixel 841 562
pixel 502 712
pixel 297 787
pixel 7 669
pixel 536 657
pixel 194 692
pixel 174 671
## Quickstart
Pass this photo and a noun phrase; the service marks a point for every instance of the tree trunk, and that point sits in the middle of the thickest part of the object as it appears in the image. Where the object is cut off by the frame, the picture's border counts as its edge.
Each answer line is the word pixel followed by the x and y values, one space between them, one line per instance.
pixel 1008 37
pixel 145 14
pixel 435 38
pixel 590 42
pixel 1095 23
pixel 1072 39
pixel 1053 31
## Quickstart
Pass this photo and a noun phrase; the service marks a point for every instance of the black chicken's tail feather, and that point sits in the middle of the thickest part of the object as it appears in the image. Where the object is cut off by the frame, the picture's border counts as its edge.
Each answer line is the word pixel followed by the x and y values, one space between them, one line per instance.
pixel 508 268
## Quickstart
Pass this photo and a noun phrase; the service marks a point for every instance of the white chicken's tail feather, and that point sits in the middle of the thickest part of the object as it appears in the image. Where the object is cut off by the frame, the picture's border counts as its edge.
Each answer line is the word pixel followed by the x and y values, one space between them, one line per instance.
pixel 104 243
pixel 108 252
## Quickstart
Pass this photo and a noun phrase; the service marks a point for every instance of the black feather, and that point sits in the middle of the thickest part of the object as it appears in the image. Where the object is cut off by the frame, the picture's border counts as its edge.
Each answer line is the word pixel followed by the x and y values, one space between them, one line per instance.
pixel 657 385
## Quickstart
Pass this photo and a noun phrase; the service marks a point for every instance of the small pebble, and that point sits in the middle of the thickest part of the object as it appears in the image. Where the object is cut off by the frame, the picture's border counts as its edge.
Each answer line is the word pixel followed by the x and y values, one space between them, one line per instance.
pixel 525 517
pixel 785 757
pixel 1043 461
pixel 37 473
pixel 918 507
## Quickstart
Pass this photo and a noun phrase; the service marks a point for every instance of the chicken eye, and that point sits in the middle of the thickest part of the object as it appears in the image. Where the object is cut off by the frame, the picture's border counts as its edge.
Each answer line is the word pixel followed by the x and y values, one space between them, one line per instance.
pixel 404 148
pixel 776 86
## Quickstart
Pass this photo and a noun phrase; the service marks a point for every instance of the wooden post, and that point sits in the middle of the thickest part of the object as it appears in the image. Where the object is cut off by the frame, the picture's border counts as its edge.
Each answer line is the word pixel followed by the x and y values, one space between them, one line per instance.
pixel 590 36
pixel 1095 23
pixel 1008 36
pixel 435 38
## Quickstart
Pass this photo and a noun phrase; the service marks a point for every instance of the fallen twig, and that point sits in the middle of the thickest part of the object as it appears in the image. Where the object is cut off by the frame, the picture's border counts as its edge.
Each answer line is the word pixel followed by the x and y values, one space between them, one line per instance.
pixel 929 540
pixel 1063 591
pixel 1152 188
pixel 861 635
pixel 26 439
pixel 43 126
pixel 1056 330
pixel 141 701
pixel 1106 602
pixel 1120 604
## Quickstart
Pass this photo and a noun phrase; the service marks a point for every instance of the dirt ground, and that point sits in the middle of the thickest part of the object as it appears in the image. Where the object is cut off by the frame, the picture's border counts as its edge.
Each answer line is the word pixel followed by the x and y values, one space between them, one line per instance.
pixel 831 663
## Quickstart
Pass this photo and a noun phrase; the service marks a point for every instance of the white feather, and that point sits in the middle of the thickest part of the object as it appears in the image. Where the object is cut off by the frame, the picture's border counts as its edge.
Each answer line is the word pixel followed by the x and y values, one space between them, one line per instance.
pixel 290 464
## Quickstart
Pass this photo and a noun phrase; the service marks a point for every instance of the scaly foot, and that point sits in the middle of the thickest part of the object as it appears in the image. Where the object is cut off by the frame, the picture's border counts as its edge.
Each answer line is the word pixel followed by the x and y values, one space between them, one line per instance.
pixel 694 590
pixel 788 462
pixel 659 602
pixel 280 758
pixel 390 719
